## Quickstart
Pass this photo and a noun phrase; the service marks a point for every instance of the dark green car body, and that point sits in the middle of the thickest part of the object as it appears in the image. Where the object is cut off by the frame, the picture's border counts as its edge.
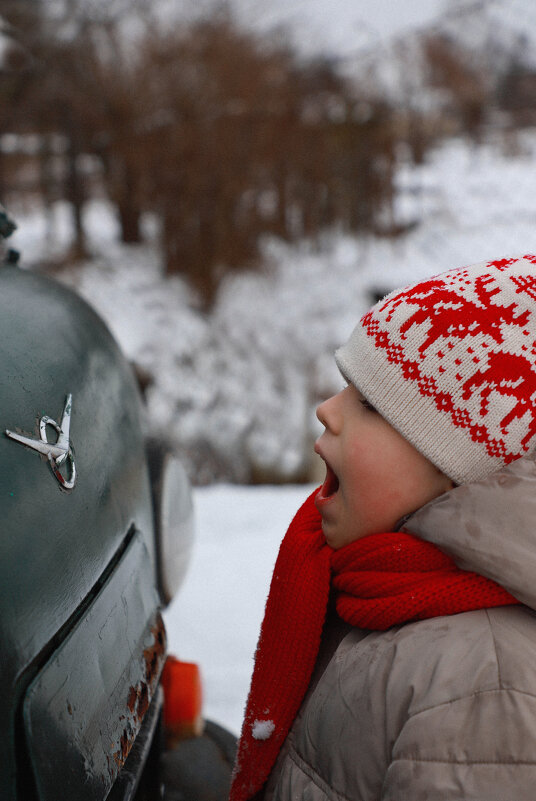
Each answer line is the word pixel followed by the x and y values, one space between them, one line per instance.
pixel 82 641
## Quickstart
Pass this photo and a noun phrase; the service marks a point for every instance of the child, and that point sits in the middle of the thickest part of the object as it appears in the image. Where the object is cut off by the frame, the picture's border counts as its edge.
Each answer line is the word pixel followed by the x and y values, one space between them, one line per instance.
pixel 393 662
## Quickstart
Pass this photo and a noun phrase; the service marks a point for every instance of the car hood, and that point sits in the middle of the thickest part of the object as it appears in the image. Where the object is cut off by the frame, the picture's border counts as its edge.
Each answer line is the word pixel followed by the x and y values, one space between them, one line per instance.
pixel 55 544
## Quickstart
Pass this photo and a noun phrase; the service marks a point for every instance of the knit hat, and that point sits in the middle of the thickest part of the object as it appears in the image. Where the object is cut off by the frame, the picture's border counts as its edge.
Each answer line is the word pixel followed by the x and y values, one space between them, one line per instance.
pixel 450 362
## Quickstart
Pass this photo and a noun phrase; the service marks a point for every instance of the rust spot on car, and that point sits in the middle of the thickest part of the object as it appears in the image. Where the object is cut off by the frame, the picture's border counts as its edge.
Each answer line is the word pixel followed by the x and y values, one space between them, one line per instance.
pixel 69 708
pixel 153 655
pixel 139 695
pixel 125 744
pixel 132 698
pixel 143 702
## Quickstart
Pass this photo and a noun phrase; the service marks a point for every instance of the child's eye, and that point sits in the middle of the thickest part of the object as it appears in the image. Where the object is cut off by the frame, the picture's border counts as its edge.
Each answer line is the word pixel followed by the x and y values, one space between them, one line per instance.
pixel 364 402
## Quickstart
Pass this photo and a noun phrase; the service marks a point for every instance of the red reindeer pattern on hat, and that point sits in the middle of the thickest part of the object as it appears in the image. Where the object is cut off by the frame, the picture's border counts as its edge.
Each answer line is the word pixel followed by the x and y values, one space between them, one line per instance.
pixel 466 339
pixel 451 314
pixel 512 376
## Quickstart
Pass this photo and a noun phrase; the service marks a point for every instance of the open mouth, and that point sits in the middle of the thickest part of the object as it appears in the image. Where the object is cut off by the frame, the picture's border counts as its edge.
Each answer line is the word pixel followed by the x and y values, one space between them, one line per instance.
pixel 330 485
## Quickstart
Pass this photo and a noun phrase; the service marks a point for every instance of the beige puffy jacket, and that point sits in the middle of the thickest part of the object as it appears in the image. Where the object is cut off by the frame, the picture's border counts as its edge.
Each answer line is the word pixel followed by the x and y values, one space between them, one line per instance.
pixel 440 709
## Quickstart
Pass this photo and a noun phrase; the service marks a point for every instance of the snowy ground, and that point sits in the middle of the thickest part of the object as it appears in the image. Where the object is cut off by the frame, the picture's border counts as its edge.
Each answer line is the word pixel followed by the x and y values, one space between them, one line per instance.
pixel 215 618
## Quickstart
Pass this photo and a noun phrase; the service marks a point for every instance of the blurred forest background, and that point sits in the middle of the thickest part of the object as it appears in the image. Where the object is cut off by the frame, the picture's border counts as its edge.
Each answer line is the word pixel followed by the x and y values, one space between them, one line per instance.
pixel 218 195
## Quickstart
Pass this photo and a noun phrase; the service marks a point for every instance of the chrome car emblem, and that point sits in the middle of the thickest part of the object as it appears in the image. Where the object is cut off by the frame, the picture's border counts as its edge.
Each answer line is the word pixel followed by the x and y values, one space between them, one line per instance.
pixel 59 453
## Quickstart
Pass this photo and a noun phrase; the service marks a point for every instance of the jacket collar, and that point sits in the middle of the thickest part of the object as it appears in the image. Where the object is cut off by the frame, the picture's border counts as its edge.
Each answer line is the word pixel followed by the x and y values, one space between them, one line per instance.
pixel 489 527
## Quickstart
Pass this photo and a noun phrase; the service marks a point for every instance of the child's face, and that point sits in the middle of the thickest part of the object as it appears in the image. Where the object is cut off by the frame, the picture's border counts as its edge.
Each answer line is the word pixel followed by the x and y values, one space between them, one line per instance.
pixel 374 476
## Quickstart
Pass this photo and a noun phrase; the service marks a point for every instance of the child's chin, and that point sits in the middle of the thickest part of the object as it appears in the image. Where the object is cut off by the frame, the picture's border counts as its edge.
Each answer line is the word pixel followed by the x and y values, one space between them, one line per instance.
pixel 330 534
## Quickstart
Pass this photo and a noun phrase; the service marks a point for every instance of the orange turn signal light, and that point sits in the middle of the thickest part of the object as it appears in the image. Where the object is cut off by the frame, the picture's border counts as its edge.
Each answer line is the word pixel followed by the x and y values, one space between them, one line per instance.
pixel 183 699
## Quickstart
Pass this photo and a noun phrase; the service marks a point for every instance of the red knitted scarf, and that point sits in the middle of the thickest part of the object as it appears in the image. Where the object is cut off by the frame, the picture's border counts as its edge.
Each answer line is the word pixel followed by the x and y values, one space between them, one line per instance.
pixel 379 581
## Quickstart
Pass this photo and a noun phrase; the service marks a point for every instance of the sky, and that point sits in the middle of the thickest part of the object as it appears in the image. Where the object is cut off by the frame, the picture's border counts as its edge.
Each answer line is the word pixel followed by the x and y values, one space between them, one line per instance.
pixel 342 26
pixel 337 27
pixel 349 28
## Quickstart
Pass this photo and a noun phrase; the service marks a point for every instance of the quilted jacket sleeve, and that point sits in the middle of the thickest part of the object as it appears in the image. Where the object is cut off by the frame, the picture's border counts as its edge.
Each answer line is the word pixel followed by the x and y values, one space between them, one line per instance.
pixel 482 746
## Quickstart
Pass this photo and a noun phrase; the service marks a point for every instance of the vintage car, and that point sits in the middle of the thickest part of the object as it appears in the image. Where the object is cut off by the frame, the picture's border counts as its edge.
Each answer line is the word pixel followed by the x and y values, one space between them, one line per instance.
pixel 93 545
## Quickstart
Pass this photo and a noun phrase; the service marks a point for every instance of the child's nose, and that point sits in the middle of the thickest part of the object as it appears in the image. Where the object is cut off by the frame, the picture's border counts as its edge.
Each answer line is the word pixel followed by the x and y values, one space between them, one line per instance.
pixel 327 413
pixel 320 413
